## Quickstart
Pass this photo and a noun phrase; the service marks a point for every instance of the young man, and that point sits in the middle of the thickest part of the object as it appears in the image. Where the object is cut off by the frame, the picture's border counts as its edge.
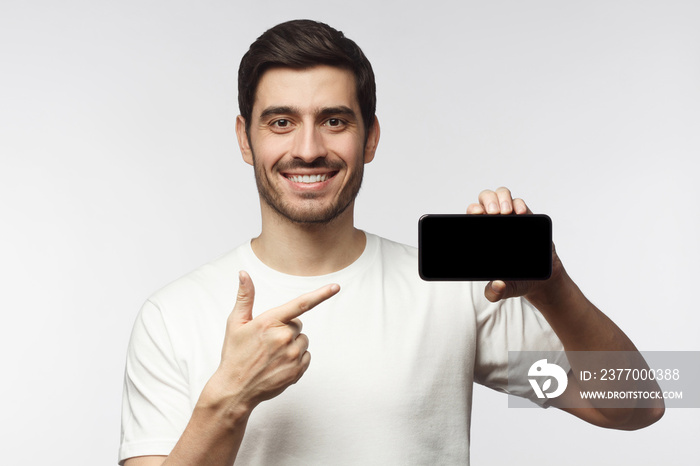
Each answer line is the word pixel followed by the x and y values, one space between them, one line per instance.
pixel 394 357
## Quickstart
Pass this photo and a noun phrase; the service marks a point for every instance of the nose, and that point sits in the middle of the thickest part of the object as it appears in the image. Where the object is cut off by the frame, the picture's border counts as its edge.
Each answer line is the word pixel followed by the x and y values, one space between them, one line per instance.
pixel 309 144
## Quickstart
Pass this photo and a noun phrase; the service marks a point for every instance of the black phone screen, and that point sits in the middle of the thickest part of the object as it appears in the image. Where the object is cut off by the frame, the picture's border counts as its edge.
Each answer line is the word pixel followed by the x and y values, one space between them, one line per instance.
pixel 484 247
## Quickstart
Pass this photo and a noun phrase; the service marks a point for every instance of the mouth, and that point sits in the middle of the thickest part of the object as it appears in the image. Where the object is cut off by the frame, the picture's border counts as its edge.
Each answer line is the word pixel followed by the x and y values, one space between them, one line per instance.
pixel 309 178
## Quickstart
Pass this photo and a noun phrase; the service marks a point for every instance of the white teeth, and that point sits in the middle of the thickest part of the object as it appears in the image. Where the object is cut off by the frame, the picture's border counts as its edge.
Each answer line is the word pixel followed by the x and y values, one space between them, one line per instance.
pixel 308 178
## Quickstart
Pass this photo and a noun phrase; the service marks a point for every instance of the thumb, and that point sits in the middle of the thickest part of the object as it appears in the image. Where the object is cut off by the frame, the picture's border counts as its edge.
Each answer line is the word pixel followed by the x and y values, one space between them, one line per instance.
pixel 243 309
pixel 498 289
pixel 495 290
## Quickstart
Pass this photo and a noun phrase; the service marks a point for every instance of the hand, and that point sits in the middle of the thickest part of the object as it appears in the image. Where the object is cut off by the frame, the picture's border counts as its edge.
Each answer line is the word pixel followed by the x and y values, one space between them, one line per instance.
pixel 261 357
pixel 501 202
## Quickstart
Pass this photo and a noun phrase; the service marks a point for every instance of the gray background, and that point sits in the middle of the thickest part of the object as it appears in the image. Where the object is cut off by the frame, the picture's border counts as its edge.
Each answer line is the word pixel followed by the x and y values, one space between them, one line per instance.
pixel 120 172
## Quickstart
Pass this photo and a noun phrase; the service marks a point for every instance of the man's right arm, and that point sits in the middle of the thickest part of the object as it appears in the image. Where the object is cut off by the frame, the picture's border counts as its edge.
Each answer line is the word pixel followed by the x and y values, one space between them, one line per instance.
pixel 260 358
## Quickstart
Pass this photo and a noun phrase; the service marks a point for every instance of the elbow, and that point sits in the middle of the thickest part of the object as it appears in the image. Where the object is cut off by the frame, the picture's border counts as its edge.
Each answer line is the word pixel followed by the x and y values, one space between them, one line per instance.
pixel 640 418
pixel 654 414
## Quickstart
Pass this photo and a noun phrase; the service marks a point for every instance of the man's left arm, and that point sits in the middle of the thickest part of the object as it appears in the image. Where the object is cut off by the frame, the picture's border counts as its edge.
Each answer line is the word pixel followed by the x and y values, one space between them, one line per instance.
pixel 579 324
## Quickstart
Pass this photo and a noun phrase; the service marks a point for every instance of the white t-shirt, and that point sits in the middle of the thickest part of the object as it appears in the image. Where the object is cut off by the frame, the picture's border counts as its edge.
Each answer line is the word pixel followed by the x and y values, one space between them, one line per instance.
pixel 392 367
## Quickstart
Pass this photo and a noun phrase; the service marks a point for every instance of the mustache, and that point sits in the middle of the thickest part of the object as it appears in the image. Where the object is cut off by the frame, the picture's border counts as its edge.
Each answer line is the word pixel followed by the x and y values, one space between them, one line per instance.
pixel 319 163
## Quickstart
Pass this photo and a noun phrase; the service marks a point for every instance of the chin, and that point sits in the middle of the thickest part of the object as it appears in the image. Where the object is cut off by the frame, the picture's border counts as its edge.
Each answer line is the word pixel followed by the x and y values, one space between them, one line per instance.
pixel 311 216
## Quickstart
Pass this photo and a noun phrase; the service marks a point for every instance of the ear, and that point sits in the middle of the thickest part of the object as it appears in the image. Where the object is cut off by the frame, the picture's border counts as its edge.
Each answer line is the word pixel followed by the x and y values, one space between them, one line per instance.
pixel 243 142
pixel 372 141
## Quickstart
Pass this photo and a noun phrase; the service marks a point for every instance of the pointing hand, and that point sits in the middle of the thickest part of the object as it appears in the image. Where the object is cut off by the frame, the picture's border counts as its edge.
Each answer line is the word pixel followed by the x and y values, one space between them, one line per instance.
pixel 262 356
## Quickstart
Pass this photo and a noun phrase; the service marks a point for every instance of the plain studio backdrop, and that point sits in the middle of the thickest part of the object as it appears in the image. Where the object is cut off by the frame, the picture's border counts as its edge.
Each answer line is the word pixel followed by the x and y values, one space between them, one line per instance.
pixel 120 172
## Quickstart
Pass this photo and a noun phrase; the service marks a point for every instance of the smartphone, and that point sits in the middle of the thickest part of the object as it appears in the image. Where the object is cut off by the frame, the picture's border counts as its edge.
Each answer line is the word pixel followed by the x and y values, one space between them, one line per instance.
pixel 484 247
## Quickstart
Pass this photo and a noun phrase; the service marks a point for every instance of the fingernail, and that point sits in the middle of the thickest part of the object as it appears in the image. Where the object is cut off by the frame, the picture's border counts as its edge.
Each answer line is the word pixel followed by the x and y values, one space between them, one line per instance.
pixel 335 287
pixel 505 207
pixel 492 208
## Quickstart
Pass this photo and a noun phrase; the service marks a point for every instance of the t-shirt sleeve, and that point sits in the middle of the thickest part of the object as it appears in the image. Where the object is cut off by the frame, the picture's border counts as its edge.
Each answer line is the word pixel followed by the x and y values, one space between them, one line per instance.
pixel 510 325
pixel 155 399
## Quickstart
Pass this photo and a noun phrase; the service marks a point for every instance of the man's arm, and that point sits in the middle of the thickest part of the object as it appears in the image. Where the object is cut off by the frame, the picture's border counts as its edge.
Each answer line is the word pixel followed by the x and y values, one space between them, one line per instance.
pixel 579 324
pixel 260 358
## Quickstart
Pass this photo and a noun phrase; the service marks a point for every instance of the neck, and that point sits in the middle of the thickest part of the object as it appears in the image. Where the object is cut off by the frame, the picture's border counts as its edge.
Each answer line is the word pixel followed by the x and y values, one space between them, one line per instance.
pixel 308 249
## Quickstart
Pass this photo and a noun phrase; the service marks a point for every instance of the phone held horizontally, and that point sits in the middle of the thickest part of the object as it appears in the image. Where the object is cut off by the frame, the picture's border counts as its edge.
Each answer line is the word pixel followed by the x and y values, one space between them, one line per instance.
pixel 484 247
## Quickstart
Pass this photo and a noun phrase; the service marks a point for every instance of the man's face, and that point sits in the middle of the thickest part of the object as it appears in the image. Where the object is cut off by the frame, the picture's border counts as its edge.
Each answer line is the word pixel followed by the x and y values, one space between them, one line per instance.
pixel 307 142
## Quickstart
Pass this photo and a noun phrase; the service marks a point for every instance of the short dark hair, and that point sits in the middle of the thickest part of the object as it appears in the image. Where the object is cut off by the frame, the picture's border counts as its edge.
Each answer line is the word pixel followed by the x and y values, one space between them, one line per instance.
pixel 302 44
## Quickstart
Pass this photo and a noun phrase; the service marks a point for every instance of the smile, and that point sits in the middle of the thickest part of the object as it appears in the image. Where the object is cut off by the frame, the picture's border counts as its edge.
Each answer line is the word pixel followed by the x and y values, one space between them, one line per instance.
pixel 310 178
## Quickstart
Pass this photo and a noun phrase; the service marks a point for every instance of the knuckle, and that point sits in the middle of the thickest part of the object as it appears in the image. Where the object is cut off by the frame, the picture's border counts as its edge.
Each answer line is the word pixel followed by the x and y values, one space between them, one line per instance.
pixel 242 296
pixel 303 342
pixel 304 305
pixel 294 353
pixel 300 370
pixel 283 337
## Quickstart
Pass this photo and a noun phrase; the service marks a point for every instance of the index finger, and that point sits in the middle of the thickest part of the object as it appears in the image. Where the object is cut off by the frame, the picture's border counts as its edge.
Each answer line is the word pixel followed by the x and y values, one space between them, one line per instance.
pixel 298 306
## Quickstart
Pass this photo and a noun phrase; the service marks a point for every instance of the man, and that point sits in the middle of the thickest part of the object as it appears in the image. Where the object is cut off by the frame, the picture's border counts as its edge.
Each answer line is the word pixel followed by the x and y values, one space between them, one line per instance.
pixel 394 357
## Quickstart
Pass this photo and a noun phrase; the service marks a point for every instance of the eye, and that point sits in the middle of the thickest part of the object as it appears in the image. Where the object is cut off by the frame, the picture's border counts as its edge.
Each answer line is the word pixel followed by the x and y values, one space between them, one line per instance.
pixel 281 125
pixel 335 123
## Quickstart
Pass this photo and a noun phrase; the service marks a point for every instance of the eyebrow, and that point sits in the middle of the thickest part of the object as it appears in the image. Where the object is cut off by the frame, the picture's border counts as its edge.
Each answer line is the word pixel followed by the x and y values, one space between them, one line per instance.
pixel 326 111
pixel 341 110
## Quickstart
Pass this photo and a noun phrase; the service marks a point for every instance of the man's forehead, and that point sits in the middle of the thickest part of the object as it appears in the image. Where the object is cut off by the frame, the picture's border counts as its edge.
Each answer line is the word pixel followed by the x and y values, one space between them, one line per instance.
pixel 310 89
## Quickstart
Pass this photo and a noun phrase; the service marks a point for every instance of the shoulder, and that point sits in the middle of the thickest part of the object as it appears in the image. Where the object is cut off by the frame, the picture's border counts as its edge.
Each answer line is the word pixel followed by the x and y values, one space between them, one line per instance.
pixel 211 285
pixel 392 249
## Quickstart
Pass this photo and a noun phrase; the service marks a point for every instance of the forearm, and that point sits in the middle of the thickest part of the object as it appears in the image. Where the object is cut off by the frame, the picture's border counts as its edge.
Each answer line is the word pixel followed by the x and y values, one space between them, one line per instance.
pixel 582 327
pixel 214 433
pixel 579 324
pixel 205 443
